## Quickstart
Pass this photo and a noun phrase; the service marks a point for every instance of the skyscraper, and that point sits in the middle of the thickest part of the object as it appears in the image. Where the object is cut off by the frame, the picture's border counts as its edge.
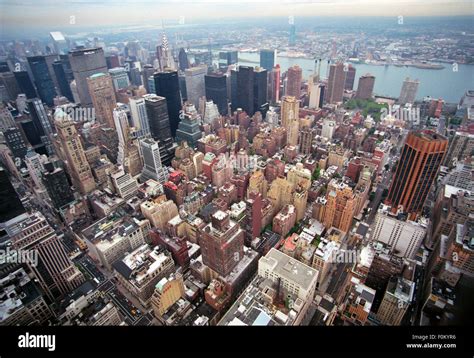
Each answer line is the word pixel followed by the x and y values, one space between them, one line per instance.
pixel 73 153
pixel 365 88
pixel 245 89
pixel 119 78
pixel 164 56
pixel 157 114
pixel 152 166
pixel 222 243
pixel 15 142
pixel 139 116
pixel 25 84
pixel 8 80
pixel 10 204
pixel 167 86
pixel 189 126
pixel 260 89
pixel 43 79
pixel 195 88
pixel 289 110
pixel 267 59
pixel 274 85
pixel 408 91
pixel 84 64
pixel 336 80
pixel 183 60
pixel 54 269
pixel 64 76
pixel 416 170
pixel 293 86
pixel 228 58
pixel 216 90
pixel 101 91
pixel 350 78
pixel 57 185
pixel 39 117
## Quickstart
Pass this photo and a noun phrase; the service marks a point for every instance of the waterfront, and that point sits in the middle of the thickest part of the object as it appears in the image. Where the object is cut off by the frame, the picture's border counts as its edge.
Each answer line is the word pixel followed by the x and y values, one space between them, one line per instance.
pixel 438 83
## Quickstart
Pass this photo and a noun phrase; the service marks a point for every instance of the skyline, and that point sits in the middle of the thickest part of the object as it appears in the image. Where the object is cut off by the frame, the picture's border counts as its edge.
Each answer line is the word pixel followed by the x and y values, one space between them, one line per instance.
pixel 89 12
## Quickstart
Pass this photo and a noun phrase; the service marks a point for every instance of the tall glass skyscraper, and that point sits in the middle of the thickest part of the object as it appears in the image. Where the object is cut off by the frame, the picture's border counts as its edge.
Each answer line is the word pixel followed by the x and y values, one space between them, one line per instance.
pixel 43 80
pixel 167 86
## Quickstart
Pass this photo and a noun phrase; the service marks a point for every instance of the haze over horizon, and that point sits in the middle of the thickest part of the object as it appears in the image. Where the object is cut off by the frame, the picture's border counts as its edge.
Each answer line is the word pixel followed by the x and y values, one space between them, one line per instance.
pixel 38 14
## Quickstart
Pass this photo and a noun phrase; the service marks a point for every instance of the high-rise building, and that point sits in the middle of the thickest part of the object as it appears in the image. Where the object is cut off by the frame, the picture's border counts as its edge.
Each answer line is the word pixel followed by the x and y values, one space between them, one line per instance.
pixel 64 76
pixel 73 153
pixel 54 269
pixel 228 58
pixel 84 64
pixel 398 297
pixel 8 80
pixel 119 78
pixel 189 126
pixel 167 86
pixel 195 88
pixel 289 111
pixel 43 80
pixel 365 88
pixel 147 72
pixel 167 291
pixel 339 206
pixel 25 84
pixel 183 60
pixel 267 59
pixel 403 237
pixel 416 170
pixel 350 78
pixel 292 36
pixel 165 56
pixel 57 186
pixel 152 166
pixel 316 95
pixel 408 91
pixel 274 84
pixel 123 132
pixel 222 243
pixel 260 90
pixel 10 204
pixel 39 117
pixel 139 117
pixel 15 142
pixel 460 148
pixel 102 94
pixel 294 78
pixel 59 41
pixel 245 90
pixel 336 81
pixel 216 90
pixel 158 119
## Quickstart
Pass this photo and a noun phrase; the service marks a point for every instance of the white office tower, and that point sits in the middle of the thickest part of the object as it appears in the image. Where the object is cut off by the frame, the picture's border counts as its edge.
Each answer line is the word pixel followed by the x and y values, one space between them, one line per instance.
pixel 123 129
pixel 119 78
pixel 124 184
pixel 34 163
pixel 21 102
pixel 403 237
pixel 59 41
pixel 152 167
pixel 328 128
pixel 139 117
pixel 211 112
pixel 314 95
pixel 272 117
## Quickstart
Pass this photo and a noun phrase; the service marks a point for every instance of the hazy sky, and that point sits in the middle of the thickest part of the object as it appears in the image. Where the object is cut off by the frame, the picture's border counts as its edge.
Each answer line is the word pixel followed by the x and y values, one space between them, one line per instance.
pixel 39 13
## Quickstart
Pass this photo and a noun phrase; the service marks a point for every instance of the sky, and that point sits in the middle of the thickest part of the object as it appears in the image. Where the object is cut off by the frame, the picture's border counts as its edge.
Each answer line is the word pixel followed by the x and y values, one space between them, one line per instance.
pixel 85 13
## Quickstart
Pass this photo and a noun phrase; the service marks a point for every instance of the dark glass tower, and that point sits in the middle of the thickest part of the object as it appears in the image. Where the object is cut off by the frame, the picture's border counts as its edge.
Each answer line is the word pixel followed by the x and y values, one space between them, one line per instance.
pixel 267 59
pixel 57 185
pixel 158 120
pixel 25 84
pixel 245 89
pixel 167 85
pixel 183 60
pixel 10 204
pixel 43 80
pixel 216 90
pixel 64 76
pixel 260 88
pixel 15 142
